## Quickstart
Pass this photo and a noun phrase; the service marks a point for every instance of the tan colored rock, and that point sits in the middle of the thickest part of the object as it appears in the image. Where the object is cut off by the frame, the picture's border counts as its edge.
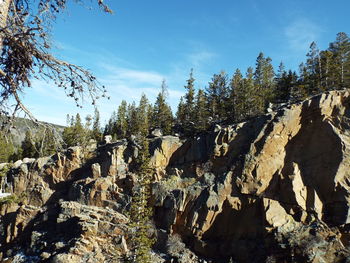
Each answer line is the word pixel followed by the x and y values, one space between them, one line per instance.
pixel 276 216
pixel 96 170
pixel 64 257
pixel 286 168
pixel 164 149
pixel 278 183
pixel 23 215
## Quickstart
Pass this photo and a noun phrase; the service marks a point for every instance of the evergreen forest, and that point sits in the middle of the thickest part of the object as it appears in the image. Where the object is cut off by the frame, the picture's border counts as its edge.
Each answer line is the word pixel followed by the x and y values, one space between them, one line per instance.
pixel 227 99
pixel 237 97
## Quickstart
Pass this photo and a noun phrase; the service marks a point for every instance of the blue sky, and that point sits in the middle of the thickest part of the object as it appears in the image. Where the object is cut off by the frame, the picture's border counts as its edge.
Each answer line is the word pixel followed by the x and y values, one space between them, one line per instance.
pixel 144 42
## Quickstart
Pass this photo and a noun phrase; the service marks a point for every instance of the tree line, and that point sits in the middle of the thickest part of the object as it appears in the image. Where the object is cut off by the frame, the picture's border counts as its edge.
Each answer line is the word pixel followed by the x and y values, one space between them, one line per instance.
pixel 226 99
pixel 239 97
pixel 132 119
pixel 78 133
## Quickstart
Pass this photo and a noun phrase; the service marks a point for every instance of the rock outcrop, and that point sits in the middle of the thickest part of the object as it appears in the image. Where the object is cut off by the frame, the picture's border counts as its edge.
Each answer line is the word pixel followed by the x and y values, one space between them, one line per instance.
pixel 270 176
pixel 272 189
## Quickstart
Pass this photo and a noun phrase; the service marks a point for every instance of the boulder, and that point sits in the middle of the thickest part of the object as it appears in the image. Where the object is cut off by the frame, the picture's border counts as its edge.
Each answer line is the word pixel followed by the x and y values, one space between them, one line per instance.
pixel 107 139
pixel 157 132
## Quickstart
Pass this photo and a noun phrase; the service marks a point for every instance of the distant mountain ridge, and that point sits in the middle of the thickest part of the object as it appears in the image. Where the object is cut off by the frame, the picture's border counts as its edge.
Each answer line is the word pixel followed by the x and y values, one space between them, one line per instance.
pixel 21 125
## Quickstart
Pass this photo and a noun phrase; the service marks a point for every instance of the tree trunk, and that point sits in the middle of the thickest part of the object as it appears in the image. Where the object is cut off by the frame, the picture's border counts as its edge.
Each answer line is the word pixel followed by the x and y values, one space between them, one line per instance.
pixel 4 9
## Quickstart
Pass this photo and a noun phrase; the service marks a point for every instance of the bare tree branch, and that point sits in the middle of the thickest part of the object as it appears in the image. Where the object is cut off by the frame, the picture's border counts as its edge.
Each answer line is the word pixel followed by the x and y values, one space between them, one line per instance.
pixel 25 55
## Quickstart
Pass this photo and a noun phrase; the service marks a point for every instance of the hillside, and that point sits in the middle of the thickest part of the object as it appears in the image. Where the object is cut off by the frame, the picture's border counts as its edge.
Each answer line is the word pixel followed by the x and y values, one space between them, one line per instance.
pixel 272 189
pixel 21 125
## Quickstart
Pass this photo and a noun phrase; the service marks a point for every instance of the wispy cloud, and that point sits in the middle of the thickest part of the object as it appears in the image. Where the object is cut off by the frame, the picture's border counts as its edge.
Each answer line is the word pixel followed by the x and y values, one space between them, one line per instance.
pixel 300 33
pixel 50 103
pixel 131 75
pixel 124 81
pixel 129 84
pixel 198 58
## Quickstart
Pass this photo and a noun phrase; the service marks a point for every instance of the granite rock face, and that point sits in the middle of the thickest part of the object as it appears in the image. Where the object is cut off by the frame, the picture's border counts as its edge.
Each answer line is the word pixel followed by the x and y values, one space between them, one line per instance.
pixel 272 189
pixel 265 178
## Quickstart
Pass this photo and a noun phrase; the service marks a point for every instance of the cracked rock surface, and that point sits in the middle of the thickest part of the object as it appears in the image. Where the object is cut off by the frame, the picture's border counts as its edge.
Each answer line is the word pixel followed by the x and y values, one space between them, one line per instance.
pixel 272 189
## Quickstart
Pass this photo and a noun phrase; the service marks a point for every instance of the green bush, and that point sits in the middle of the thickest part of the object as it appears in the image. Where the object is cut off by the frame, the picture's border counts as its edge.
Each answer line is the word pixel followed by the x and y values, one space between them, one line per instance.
pixel 12 199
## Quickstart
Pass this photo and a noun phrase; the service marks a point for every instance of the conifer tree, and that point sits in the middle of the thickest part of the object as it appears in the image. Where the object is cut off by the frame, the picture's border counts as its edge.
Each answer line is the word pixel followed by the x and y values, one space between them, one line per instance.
pixel 162 116
pixel 252 105
pixel 68 120
pixel 68 136
pixel 284 84
pixel 341 60
pixel 180 114
pixel 313 66
pixel 140 211
pixel 233 99
pixel 96 127
pixel 264 82
pixel 45 144
pixel 122 124
pixel 78 123
pixel 244 94
pixel 217 95
pixel 28 146
pixel 7 149
pixel 111 126
pixel 142 116
pixel 302 89
pixel 131 118
pixel 326 62
pixel 280 86
pixel 188 106
pixel 201 112
pixel 75 134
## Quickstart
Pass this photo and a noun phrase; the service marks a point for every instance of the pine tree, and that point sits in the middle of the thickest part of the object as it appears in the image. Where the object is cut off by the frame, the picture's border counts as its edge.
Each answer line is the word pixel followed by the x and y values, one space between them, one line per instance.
pixel 28 146
pixel 188 107
pixel 96 127
pixel 122 124
pixel 233 100
pixel 280 87
pixel 140 211
pixel 284 83
pixel 162 116
pixel 7 149
pixel 313 66
pixel 79 131
pixel 131 119
pixel 45 143
pixel 264 82
pixel 78 123
pixel 326 62
pixel 341 60
pixel 285 87
pixel 75 134
pixel 253 99
pixel 143 116
pixel 180 114
pixel 302 89
pixel 217 96
pixel 201 112
pixel 111 126
pixel 68 120
pixel 244 95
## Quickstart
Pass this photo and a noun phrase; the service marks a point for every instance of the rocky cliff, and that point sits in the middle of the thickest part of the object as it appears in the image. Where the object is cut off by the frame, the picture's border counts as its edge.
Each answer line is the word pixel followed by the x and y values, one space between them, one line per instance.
pixel 271 189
